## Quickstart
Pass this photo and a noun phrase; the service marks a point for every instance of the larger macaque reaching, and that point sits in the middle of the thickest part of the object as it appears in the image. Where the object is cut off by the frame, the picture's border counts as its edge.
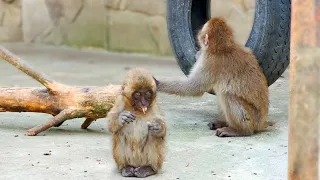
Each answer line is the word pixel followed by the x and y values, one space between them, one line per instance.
pixel 138 127
pixel 233 73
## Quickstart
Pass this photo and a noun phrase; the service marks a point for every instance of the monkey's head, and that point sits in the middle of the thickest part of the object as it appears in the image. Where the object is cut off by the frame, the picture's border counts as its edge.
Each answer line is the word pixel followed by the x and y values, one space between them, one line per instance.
pixel 139 89
pixel 216 36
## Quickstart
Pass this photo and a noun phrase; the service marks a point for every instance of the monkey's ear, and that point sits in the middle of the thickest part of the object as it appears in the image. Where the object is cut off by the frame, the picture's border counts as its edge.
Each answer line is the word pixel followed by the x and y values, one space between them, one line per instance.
pixel 206 40
pixel 156 81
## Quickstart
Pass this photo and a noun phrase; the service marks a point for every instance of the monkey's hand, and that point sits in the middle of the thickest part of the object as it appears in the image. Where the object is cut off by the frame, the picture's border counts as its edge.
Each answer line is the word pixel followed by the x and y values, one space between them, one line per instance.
pixel 126 117
pixel 154 128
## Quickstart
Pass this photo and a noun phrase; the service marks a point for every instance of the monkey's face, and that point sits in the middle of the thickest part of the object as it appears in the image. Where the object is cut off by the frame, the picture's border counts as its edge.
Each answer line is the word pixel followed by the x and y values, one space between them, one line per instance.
pixel 142 99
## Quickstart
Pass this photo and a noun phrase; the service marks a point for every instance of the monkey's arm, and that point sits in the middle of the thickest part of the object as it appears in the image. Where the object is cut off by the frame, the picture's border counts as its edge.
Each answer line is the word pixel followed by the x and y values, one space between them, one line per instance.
pixel 117 120
pixel 194 85
pixel 158 127
pixel 114 124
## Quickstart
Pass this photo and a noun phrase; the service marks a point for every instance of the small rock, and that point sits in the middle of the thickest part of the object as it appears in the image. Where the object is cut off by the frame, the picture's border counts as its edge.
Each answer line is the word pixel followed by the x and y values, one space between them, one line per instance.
pixel 47 154
pixel 85 171
pixel 255 173
pixel 16 135
pixel 229 141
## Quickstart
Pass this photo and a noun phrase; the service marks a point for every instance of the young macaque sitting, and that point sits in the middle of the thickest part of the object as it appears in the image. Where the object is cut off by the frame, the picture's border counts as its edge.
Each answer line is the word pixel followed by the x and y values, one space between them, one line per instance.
pixel 138 128
pixel 233 73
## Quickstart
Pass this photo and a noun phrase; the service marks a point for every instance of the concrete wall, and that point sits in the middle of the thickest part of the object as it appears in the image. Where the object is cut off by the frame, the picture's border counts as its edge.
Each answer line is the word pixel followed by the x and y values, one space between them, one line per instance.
pixel 117 25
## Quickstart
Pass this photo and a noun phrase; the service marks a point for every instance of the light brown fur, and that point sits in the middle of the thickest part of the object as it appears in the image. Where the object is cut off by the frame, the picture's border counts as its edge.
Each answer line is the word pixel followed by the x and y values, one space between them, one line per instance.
pixel 133 143
pixel 233 73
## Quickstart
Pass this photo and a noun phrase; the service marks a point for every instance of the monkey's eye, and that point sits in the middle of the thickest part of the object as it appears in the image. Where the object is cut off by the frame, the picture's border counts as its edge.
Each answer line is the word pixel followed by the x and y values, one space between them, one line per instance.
pixel 148 94
pixel 137 94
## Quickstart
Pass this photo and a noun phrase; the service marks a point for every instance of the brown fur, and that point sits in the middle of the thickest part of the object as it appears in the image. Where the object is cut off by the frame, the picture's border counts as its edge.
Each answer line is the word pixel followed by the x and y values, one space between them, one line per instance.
pixel 133 144
pixel 233 73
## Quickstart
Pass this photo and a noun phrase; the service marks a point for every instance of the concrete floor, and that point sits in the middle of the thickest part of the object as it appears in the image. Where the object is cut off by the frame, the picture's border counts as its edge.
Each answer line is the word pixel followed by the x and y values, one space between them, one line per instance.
pixel 193 151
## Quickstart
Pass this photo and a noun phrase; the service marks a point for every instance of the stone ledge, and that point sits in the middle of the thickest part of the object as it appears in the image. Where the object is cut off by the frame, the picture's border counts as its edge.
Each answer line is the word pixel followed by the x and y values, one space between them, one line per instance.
pixel 117 25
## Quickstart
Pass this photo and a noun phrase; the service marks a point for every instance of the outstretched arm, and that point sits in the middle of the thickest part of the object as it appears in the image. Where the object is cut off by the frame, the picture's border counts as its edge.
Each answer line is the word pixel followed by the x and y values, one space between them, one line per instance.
pixel 182 87
pixel 196 84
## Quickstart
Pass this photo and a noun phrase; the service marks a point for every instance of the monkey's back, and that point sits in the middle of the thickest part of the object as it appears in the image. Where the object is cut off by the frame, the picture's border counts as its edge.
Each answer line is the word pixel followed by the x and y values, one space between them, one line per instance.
pixel 239 74
pixel 133 146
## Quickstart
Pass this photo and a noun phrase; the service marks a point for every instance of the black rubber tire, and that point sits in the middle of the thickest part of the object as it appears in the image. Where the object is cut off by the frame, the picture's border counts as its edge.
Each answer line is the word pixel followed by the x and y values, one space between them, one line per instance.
pixel 269 38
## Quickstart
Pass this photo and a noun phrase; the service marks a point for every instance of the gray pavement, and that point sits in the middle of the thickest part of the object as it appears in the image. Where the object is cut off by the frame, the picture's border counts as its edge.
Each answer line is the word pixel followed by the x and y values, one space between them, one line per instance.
pixel 193 151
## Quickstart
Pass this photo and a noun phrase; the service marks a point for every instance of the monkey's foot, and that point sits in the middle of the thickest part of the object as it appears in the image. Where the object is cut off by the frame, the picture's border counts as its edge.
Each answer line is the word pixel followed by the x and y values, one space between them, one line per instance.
pixel 143 171
pixel 216 124
pixel 128 171
pixel 227 132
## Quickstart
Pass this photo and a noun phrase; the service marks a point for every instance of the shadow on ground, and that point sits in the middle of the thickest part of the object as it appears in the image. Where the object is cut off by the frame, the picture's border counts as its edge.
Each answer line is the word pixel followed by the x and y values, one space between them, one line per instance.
pixel 193 151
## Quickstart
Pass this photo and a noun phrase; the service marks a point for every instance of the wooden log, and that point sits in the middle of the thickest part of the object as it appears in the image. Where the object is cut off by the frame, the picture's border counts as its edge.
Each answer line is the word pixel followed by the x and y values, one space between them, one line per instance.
pixel 62 101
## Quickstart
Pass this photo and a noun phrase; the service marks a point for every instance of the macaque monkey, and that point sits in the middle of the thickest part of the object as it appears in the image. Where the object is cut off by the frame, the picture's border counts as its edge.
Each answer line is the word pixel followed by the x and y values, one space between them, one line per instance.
pixel 138 128
pixel 233 73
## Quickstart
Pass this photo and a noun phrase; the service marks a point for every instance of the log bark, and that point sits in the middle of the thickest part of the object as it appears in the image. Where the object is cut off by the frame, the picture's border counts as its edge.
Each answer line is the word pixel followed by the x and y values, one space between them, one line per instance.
pixel 62 101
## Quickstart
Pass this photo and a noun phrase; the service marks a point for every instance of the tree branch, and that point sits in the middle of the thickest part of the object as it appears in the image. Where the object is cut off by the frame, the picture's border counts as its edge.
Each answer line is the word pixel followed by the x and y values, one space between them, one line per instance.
pixel 63 102
pixel 60 118
pixel 87 123
pixel 19 64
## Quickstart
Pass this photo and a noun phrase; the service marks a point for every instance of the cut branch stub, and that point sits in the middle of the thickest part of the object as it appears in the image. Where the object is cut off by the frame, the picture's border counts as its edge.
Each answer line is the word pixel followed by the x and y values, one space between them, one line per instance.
pixel 62 101
pixel 19 64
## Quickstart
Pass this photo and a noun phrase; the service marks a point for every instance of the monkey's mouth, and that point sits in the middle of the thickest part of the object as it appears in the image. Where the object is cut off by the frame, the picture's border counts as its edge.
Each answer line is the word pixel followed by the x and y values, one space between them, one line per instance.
pixel 144 109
